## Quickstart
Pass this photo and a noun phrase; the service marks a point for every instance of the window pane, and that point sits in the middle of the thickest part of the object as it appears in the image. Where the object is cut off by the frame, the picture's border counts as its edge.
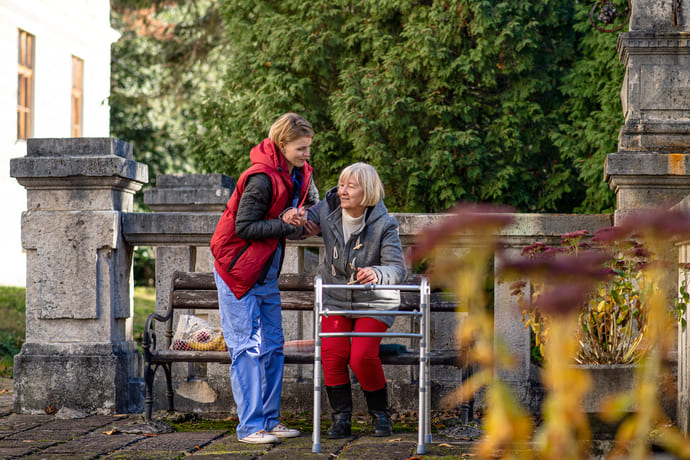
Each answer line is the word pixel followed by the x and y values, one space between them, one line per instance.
pixel 77 96
pixel 25 79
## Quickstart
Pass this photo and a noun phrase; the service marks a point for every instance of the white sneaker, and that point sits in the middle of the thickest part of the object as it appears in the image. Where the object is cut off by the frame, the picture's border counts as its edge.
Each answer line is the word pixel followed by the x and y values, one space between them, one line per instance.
pixel 260 437
pixel 281 431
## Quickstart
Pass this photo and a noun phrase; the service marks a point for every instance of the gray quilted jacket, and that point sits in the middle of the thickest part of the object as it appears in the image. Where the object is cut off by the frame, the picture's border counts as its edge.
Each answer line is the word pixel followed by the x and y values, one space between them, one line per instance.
pixel 376 245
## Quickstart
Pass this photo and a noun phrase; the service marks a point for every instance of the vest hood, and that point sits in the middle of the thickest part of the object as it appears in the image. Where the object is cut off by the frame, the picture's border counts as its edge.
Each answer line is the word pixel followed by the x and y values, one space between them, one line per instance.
pixel 266 153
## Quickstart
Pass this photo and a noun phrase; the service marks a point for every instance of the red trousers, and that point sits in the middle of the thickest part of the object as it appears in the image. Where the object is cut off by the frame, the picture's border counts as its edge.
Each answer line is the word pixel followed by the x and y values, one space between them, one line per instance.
pixel 361 353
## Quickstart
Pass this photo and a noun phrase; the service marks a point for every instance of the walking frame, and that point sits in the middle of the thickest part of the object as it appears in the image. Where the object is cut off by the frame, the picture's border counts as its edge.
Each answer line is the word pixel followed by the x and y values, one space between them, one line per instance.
pixel 422 316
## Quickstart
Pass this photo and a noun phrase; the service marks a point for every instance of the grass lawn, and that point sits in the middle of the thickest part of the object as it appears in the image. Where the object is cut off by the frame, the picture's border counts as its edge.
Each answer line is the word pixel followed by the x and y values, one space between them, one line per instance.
pixel 12 327
pixel 13 324
pixel 144 304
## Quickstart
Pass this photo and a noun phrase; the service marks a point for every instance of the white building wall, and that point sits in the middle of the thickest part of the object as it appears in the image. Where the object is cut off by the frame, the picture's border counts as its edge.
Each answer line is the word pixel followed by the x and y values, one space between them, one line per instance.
pixel 62 29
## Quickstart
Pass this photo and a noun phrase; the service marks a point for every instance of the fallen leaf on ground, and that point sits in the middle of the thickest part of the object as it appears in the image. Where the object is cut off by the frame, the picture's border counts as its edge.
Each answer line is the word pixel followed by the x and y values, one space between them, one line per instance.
pixel 394 440
pixel 112 432
pixel 443 444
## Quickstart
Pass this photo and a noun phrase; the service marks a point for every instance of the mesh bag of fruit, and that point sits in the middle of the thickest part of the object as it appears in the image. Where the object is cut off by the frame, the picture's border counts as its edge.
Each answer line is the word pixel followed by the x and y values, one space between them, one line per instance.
pixel 194 333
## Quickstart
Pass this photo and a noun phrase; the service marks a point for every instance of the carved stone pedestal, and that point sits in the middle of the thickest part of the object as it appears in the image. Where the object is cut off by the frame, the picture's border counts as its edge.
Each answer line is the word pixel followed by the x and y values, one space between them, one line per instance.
pixel 79 351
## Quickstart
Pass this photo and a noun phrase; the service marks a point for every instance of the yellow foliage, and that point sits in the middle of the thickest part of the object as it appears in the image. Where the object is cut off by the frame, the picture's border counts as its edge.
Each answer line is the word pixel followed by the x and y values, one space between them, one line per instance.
pixel 506 425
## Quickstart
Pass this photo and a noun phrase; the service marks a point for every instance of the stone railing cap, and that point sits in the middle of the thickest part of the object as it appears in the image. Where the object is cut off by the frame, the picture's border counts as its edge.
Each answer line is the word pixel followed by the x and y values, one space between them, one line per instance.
pixel 78 147
pixel 207 181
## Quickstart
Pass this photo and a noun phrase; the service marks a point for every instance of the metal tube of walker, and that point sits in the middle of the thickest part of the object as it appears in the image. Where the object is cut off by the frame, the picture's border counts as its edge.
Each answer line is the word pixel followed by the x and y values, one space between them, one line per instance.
pixel 318 302
pixel 426 297
pixel 421 447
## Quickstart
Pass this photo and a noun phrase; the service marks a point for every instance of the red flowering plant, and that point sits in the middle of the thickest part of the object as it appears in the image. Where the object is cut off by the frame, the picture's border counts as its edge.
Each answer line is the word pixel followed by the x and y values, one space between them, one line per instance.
pixel 612 320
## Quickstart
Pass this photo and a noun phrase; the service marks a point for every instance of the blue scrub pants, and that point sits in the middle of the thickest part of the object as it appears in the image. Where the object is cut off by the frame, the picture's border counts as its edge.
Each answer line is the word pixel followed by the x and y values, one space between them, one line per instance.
pixel 253 331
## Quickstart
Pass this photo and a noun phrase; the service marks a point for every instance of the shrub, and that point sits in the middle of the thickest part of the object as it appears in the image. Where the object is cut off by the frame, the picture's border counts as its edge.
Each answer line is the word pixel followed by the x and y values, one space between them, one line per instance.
pixel 612 321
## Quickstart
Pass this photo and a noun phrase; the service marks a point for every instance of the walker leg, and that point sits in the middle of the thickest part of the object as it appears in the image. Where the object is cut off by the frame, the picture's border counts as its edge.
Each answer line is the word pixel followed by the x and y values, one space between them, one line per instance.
pixel 316 436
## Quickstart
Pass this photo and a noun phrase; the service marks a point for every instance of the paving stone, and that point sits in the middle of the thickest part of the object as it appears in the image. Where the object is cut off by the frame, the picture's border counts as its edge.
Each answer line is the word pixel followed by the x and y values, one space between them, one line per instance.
pixel 44 456
pixel 228 445
pixel 167 445
pixel 47 434
pixel 368 447
pixel 12 448
pixel 80 424
pixel 96 443
pixel 13 452
pixel 14 423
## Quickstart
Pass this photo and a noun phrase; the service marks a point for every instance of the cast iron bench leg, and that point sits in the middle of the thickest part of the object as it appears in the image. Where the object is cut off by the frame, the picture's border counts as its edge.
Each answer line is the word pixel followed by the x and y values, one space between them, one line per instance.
pixel 167 367
pixel 149 374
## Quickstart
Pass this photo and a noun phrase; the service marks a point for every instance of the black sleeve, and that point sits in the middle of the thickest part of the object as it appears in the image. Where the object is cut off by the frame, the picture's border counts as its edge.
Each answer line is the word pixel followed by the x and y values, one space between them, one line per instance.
pixel 312 194
pixel 255 203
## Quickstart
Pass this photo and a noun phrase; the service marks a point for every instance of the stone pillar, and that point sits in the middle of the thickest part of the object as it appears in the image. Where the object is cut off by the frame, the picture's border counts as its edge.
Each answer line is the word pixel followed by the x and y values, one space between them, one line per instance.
pixel 652 165
pixel 683 370
pixel 79 351
pixel 180 193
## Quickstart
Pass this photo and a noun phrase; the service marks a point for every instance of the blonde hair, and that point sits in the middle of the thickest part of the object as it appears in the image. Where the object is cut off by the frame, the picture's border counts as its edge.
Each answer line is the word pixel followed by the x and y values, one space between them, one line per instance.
pixel 289 127
pixel 367 178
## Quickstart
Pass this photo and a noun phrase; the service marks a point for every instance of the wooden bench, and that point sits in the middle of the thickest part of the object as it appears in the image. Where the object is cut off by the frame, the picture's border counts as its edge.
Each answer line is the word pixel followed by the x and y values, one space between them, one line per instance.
pixel 197 291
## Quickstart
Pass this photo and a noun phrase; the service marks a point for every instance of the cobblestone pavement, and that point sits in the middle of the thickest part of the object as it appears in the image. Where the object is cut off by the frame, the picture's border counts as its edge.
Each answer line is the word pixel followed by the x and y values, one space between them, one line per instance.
pixel 58 436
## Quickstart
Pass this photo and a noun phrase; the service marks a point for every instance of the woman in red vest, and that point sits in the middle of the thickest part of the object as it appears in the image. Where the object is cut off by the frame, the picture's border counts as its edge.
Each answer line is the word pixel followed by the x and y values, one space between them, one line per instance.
pixel 267 206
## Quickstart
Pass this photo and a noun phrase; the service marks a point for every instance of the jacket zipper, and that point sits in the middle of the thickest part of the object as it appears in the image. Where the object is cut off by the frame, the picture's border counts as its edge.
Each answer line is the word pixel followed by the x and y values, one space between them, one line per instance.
pixel 234 261
pixel 305 193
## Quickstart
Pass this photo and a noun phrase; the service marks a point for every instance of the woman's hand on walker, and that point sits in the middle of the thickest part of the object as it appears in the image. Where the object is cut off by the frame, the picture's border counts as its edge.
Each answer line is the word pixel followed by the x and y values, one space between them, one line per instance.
pixel 366 275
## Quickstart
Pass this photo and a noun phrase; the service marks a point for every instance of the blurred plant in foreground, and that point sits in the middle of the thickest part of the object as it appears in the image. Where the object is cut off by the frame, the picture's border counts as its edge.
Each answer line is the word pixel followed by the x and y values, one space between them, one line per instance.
pixel 612 322
pixel 464 273
pixel 657 230
pixel 567 280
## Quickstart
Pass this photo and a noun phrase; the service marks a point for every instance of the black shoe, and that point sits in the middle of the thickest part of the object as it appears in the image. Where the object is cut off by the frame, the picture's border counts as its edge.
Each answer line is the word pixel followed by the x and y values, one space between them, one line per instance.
pixel 341 426
pixel 340 397
pixel 382 423
pixel 377 402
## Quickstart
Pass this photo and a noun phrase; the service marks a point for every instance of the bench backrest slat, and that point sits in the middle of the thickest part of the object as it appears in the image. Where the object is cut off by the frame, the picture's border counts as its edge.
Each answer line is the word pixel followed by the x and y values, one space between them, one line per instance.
pixel 206 299
pixel 198 290
pixel 287 281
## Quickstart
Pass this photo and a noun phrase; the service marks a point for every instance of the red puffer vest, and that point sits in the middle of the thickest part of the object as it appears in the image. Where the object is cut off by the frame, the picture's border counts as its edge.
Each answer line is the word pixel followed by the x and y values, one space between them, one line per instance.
pixel 240 262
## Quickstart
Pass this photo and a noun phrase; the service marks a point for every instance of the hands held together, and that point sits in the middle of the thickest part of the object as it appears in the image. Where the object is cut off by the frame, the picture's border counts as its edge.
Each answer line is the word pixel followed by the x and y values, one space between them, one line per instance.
pixel 298 218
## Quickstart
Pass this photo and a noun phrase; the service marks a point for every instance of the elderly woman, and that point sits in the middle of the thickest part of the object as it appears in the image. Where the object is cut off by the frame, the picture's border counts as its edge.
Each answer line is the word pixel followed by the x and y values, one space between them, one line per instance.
pixel 362 246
